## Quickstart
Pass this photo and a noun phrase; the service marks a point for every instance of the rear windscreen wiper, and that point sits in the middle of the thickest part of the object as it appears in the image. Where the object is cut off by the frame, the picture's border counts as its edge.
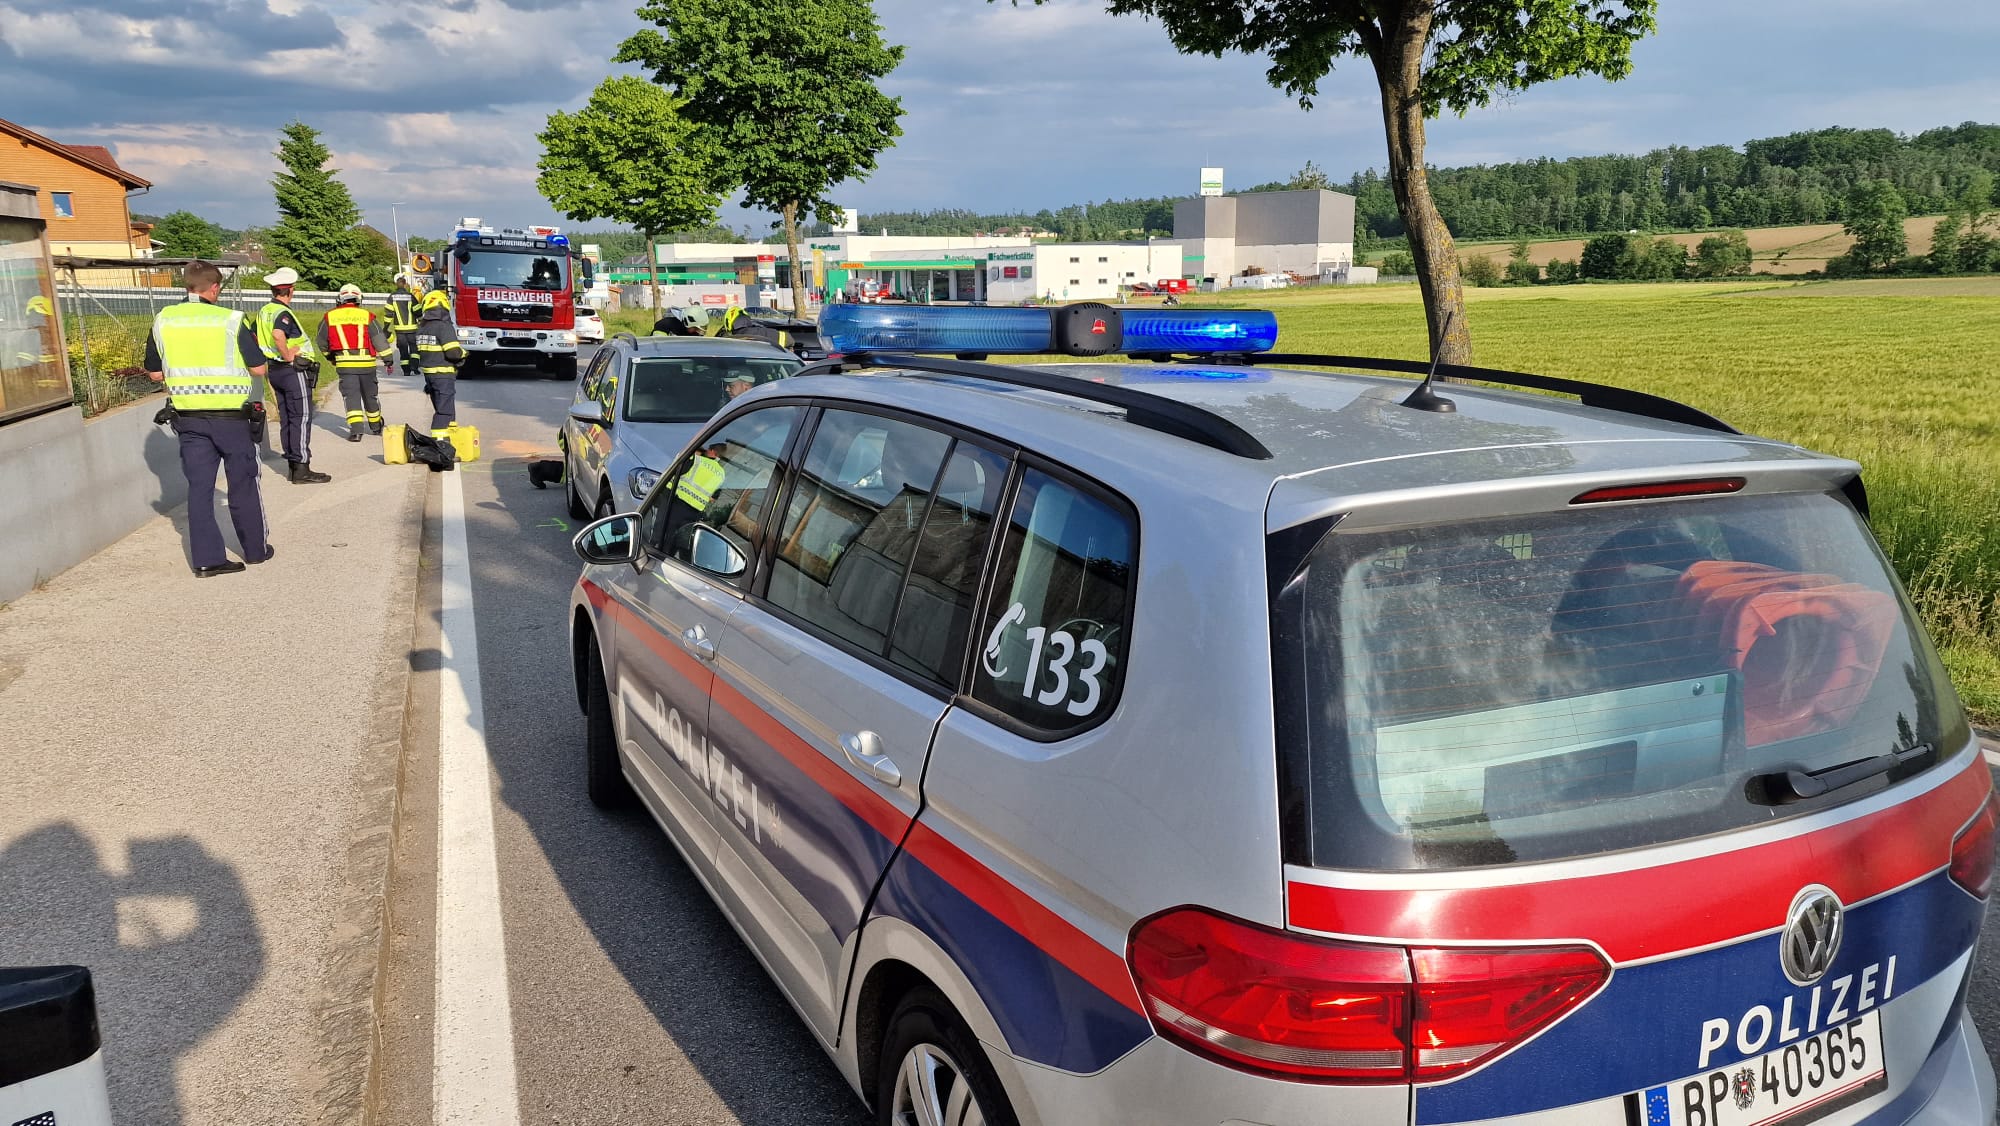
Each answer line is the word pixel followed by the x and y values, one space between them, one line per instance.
pixel 1783 787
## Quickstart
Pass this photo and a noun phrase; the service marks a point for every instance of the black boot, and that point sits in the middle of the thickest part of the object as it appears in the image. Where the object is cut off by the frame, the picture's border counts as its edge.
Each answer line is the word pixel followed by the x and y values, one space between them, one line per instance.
pixel 354 433
pixel 374 428
pixel 302 474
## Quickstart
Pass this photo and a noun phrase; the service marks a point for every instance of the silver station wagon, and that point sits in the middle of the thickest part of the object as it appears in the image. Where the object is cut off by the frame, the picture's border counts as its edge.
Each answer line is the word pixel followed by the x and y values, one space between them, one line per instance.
pixel 1214 736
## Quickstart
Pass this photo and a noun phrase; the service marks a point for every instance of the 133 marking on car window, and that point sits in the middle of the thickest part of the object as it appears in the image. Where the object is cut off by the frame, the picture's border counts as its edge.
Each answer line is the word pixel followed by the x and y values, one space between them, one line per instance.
pixel 1060 648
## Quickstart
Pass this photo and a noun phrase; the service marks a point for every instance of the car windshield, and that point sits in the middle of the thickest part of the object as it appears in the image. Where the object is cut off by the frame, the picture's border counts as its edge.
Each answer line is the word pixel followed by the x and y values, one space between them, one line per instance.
pixel 517 269
pixel 692 388
pixel 1570 683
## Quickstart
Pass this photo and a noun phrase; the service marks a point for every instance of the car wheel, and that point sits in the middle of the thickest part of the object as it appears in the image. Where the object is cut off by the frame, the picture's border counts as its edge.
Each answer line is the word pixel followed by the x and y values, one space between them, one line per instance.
pixel 605 507
pixel 603 778
pixel 560 368
pixel 577 509
pixel 473 365
pixel 933 1072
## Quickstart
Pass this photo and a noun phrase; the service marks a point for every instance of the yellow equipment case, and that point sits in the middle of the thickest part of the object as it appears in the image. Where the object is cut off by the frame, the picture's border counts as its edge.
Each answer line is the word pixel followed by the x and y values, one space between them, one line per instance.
pixel 396 443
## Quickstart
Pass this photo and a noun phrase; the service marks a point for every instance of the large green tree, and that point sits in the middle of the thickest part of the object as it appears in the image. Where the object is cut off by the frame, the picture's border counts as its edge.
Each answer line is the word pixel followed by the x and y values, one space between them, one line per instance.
pixel 315 233
pixel 1875 214
pixel 1427 56
pixel 631 155
pixel 789 88
pixel 183 234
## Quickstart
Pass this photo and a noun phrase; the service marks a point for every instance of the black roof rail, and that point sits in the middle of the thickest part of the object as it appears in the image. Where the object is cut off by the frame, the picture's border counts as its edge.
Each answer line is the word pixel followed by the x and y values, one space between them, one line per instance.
pixel 626 335
pixel 1154 412
pixel 1598 395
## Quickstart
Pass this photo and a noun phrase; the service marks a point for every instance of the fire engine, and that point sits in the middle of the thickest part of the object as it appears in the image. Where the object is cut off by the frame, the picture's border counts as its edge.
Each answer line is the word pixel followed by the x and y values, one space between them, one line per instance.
pixel 512 296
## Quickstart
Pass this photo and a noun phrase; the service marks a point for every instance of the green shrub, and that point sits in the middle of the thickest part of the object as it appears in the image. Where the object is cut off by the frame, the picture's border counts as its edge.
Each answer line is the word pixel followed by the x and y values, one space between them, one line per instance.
pixel 1480 271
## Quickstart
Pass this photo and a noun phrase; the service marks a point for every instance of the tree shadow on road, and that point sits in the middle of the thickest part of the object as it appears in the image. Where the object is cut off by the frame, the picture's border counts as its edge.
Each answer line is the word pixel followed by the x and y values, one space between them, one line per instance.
pixel 171 945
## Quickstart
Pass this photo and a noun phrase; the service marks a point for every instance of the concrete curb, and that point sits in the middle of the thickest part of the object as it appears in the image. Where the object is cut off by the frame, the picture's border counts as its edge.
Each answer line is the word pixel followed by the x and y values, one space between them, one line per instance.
pixel 349 1010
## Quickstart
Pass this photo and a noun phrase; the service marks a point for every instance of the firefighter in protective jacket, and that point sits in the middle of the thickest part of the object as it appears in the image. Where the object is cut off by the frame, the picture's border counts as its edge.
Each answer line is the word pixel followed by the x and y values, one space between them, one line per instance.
pixel 438 358
pixel 351 339
pixel 401 314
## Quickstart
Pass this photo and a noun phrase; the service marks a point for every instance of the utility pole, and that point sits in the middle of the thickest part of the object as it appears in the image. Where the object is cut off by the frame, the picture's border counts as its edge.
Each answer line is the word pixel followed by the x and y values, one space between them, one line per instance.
pixel 396 232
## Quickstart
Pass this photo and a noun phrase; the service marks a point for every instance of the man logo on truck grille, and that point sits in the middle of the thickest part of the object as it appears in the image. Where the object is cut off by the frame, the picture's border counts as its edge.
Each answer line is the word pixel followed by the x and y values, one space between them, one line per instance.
pixel 1811 939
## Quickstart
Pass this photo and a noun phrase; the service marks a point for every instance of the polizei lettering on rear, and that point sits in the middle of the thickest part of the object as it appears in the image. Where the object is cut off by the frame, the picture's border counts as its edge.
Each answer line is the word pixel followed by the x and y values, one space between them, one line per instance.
pixel 1805 1012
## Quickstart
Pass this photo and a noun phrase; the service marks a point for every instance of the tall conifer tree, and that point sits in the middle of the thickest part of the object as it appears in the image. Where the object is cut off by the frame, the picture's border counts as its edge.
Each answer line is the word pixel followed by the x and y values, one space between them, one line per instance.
pixel 315 233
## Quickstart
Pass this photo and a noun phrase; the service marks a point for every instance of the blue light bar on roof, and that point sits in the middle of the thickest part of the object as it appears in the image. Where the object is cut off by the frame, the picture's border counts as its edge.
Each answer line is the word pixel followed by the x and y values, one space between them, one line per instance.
pixel 558 240
pixel 919 328
pixel 1200 332
pixel 1011 331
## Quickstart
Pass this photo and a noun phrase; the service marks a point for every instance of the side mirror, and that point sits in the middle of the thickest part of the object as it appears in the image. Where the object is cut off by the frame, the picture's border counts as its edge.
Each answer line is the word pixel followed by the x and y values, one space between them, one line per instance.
pixel 591 411
pixel 614 539
pixel 463 255
pixel 589 269
pixel 711 551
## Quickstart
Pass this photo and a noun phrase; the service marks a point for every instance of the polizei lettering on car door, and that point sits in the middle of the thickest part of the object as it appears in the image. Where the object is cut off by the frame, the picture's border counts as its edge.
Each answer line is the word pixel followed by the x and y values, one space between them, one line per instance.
pixel 1801 1014
pixel 733 795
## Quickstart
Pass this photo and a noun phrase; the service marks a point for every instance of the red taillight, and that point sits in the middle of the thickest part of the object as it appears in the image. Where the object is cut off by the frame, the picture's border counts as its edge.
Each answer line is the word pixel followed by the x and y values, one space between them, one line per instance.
pixel 1342 1012
pixel 1972 850
pixel 1661 490
pixel 1473 1004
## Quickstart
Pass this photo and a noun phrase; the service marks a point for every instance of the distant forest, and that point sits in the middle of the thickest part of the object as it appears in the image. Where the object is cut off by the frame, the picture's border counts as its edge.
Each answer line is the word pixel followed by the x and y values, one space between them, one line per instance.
pixel 1799 178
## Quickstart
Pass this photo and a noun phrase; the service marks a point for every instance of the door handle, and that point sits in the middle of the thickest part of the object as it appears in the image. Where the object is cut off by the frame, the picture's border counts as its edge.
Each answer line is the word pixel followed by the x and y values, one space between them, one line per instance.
pixel 695 640
pixel 864 749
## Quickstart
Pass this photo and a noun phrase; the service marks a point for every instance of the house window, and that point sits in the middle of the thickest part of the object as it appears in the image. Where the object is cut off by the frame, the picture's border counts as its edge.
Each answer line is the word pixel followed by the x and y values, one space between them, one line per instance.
pixel 64 208
pixel 1103 281
pixel 1102 261
pixel 1074 261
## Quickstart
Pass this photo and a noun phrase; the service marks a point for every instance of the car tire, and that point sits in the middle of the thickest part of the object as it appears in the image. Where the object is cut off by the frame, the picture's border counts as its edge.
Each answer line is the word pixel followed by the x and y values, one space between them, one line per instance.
pixel 605 505
pixel 929 1056
pixel 577 509
pixel 604 779
pixel 473 365
pixel 560 369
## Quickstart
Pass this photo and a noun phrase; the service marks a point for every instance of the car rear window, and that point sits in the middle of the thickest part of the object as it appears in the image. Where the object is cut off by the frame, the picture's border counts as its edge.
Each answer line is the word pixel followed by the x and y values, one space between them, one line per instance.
pixel 1571 683
pixel 692 389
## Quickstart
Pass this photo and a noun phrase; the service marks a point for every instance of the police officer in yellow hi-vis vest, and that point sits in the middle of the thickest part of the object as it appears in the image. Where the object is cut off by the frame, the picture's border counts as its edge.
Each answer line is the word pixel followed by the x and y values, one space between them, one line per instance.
pixel 207 356
pixel 351 337
pixel 438 356
pixel 402 314
pixel 294 375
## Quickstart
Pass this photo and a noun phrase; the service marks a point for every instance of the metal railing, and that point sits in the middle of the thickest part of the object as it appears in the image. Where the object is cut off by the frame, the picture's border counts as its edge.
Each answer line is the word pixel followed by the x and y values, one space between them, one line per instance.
pixel 107 326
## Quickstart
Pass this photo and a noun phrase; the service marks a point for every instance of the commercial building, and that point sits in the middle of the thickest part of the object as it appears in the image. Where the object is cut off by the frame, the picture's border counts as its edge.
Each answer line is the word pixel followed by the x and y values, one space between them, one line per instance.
pixel 1309 232
pixel 1002 269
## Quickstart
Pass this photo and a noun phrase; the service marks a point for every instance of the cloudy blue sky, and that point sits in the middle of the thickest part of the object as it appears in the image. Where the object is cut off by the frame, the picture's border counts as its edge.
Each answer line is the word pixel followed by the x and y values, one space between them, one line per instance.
pixel 435 104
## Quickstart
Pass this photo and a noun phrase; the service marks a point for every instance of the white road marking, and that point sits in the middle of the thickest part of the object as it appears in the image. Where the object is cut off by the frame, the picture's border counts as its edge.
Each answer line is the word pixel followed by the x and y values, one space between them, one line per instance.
pixel 473 1053
pixel 1992 756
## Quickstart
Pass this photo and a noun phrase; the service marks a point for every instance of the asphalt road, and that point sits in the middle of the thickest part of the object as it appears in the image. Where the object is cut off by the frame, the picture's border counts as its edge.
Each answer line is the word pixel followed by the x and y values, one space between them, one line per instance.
pixel 632 1000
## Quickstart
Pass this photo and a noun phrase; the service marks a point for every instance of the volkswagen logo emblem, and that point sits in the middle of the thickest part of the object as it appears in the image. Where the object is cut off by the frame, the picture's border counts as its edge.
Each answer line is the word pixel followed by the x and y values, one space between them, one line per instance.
pixel 1811 939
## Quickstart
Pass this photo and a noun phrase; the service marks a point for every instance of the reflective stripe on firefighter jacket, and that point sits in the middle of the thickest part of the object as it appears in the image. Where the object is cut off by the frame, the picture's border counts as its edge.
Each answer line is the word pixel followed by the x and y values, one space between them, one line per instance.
pixel 200 358
pixel 700 483
pixel 438 350
pixel 352 337
pixel 401 311
pixel 267 333
pixel 727 323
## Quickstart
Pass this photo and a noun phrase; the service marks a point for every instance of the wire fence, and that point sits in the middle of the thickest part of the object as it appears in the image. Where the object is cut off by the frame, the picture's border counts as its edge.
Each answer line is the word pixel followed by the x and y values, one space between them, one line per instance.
pixel 106 329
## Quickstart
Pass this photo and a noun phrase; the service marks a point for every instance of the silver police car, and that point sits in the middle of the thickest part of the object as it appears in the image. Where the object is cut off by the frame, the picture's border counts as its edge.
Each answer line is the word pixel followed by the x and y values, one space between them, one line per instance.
pixel 639 402
pixel 1201 739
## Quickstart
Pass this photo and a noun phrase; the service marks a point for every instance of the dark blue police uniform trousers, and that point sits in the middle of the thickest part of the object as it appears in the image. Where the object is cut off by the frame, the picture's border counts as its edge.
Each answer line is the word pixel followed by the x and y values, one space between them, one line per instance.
pixel 208 443
pixel 294 388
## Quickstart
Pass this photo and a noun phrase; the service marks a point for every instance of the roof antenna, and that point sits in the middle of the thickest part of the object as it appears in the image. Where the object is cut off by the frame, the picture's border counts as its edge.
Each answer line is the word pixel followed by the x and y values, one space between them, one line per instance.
pixel 1423 398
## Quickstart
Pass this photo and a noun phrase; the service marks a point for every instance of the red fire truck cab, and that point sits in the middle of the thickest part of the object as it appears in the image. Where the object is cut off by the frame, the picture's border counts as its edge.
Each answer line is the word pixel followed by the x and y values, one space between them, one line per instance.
pixel 512 297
